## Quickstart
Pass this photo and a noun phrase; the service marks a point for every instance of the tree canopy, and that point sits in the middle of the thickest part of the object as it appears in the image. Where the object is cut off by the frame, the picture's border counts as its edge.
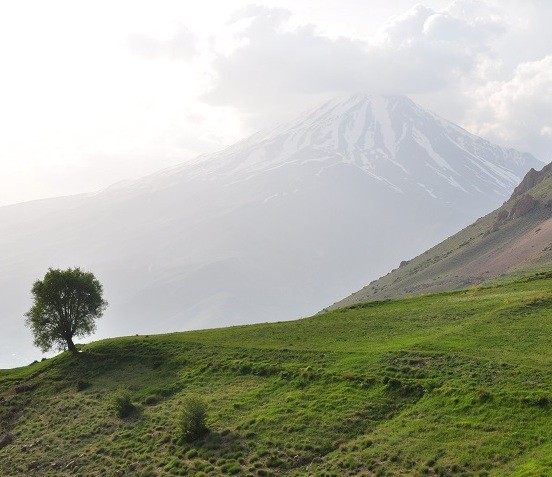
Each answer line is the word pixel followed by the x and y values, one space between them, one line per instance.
pixel 66 304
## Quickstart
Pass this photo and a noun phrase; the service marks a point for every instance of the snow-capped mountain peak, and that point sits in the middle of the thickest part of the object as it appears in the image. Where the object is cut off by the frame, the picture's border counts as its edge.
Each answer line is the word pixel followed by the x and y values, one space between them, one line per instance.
pixel 389 138
pixel 274 227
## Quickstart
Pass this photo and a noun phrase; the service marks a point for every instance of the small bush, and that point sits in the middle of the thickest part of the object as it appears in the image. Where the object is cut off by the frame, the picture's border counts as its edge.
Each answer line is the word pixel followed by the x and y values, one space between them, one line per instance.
pixel 483 395
pixel 233 469
pixel 82 385
pixel 543 400
pixel 193 418
pixel 122 403
pixel 191 453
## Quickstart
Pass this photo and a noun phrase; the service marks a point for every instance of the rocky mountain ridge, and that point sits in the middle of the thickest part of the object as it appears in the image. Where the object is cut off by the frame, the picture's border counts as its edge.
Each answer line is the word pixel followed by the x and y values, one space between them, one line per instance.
pixel 515 238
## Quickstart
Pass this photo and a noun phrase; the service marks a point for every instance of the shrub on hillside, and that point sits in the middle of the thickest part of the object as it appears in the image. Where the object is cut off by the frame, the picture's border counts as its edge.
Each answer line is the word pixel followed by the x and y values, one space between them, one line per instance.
pixel 82 385
pixel 193 418
pixel 122 403
pixel 543 400
pixel 483 395
pixel 540 400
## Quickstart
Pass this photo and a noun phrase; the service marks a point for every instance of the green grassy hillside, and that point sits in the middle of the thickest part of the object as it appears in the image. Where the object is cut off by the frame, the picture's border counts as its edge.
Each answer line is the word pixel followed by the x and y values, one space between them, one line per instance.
pixel 450 384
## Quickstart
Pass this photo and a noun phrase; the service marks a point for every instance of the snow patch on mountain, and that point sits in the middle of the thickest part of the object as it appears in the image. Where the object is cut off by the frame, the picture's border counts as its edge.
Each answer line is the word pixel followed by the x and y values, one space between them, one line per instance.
pixel 379 136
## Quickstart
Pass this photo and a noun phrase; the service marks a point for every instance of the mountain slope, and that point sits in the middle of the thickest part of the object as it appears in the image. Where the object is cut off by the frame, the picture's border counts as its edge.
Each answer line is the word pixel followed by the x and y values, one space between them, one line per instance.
pixel 271 228
pixel 516 237
pixel 452 384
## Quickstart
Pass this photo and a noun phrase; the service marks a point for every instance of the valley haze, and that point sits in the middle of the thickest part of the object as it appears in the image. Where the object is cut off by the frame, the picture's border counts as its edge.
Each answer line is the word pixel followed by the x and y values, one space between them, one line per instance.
pixel 274 227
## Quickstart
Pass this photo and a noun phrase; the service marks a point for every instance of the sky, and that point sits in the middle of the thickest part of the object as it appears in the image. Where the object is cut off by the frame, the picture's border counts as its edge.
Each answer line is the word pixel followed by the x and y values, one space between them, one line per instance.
pixel 96 92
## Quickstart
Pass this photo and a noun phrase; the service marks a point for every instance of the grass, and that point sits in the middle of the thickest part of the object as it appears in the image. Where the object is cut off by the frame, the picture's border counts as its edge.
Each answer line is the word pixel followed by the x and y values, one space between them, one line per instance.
pixel 455 383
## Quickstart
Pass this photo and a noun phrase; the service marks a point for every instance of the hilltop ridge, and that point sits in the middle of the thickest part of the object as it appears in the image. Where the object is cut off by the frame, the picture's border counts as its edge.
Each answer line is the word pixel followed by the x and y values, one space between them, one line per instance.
pixel 451 384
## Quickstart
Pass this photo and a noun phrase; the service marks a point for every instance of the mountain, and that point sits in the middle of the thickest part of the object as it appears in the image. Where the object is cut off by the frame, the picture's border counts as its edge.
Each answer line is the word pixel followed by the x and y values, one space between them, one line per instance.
pixel 271 228
pixel 515 238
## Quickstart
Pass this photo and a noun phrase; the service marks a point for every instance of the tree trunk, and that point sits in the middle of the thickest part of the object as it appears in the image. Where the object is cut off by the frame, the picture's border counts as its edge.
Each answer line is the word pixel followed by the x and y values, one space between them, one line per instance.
pixel 71 346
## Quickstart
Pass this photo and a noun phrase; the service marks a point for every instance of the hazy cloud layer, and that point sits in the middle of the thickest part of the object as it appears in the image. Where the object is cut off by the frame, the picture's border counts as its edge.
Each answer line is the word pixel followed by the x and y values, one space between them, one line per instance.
pixel 460 59
pixel 149 84
pixel 519 108
pixel 417 52
pixel 180 46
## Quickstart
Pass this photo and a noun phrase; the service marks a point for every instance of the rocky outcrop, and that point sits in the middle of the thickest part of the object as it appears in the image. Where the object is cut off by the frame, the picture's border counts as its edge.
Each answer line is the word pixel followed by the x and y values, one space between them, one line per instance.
pixel 531 179
pixel 502 216
pixel 525 204
pixel 500 219
pixel 5 440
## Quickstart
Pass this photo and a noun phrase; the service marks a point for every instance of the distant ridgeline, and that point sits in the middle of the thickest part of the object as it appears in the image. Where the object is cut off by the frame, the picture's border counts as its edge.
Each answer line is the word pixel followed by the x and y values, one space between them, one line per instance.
pixel 516 237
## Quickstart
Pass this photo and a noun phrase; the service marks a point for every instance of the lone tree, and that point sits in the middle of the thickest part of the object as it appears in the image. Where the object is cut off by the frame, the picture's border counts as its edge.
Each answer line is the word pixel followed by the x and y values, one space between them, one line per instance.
pixel 66 303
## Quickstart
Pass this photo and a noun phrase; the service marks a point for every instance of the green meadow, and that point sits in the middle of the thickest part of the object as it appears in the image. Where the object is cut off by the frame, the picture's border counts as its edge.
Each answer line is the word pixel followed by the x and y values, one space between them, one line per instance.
pixel 451 384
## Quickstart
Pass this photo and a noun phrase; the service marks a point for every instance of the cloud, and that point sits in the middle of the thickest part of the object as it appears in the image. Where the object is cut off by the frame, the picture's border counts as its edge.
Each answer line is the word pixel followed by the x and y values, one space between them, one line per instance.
pixel 402 30
pixel 418 52
pixel 182 45
pixel 517 110
pixel 471 62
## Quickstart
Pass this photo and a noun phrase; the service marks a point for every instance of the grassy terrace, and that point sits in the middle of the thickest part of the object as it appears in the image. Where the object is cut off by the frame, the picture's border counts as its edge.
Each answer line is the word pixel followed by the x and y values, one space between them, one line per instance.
pixel 450 384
